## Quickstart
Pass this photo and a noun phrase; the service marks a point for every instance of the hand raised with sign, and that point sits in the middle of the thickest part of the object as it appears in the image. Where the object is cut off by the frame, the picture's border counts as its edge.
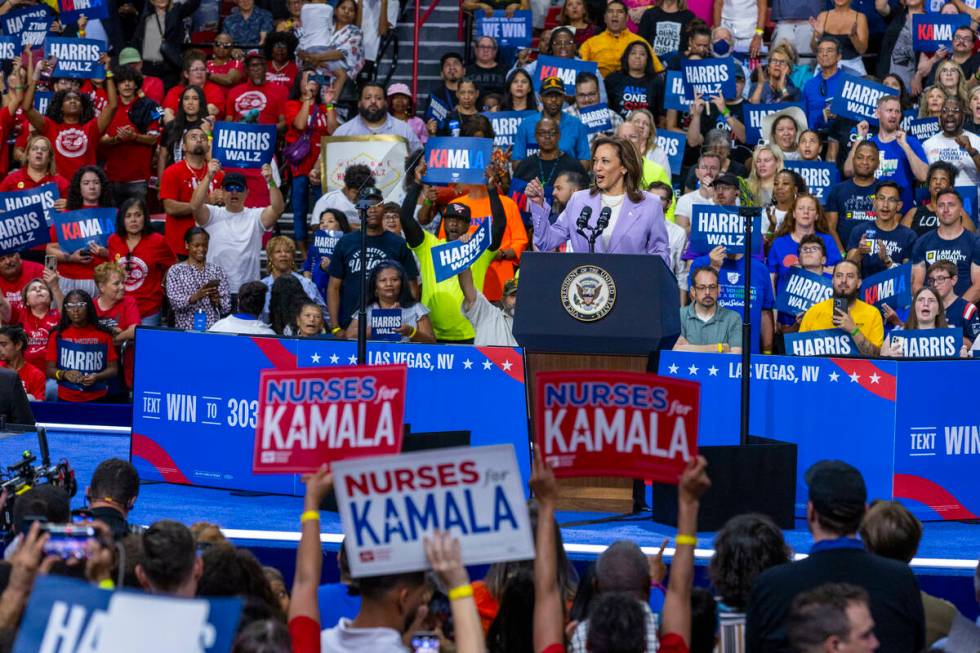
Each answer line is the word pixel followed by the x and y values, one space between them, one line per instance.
pixel 717 256
pixel 534 191
pixel 267 173
pixel 446 558
pixel 698 104
pixel 658 570
pixel 319 484
pixel 214 167
pixel 543 483
pixel 890 315
pixel 694 480
pixel 420 171
pixel 862 129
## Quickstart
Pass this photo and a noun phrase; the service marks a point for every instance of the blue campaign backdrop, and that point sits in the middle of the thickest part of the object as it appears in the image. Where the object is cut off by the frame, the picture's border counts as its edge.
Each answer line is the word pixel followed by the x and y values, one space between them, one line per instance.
pixel 196 396
pixel 866 412
pixel 512 32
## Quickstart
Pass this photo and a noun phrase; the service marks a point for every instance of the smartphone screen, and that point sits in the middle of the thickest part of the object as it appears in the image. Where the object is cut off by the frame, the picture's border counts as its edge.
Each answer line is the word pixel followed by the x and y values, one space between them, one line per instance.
pixel 840 304
pixel 425 642
pixel 51 263
pixel 68 540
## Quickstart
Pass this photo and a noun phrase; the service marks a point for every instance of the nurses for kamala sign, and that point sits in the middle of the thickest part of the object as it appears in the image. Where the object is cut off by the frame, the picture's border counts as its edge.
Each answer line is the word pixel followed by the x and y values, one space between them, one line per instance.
pixel 312 416
pixel 598 423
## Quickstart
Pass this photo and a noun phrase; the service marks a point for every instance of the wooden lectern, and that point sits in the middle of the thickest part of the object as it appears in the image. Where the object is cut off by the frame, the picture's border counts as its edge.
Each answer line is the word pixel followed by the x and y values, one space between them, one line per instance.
pixel 594 311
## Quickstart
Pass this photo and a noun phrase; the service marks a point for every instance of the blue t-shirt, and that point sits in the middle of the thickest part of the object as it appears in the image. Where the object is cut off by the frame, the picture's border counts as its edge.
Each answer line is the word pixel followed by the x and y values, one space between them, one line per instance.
pixel 894 166
pixel 783 257
pixel 730 293
pixel 574 137
pixel 963 251
pixel 853 204
pixel 898 242
pixel 965 315
pixel 817 94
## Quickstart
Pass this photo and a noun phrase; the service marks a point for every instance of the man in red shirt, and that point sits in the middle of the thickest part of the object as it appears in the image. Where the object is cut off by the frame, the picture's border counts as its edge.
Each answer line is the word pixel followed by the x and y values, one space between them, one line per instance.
pixel 128 143
pixel 14 275
pixel 195 74
pixel 152 86
pixel 177 186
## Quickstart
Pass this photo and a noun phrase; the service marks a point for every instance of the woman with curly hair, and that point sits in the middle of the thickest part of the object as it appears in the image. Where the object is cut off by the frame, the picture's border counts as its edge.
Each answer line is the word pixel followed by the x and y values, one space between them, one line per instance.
pixel 285 303
pixel 280 53
pixel 89 189
pixel 70 123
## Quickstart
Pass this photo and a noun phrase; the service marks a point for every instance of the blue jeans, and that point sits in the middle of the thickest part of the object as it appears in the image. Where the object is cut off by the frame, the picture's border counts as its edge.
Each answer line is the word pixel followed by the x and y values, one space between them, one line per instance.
pixel 300 192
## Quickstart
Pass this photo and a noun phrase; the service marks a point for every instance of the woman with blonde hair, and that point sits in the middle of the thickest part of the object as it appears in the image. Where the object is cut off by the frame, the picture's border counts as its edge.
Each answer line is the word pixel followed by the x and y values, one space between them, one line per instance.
pixel 972 122
pixel 643 119
pixel 931 102
pixel 766 162
pixel 950 78
pixel 37 168
pixel 281 254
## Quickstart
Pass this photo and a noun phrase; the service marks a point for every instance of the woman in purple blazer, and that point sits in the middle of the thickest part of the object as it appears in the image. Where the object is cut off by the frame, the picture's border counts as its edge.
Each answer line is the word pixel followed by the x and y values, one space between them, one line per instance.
pixel 634 218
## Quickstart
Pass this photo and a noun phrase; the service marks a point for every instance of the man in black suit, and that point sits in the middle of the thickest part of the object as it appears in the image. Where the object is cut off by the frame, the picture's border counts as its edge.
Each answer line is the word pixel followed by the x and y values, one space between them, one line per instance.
pixel 836 505
pixel 14 407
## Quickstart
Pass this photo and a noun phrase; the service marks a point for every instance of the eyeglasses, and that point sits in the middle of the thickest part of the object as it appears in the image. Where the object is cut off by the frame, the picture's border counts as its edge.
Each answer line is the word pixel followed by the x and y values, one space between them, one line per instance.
pixel 781 62
pixel 706 288
pixel 585 96
pixel 810 249
pixel 222 45
pixel 963 39
pixel 889 200
pixel 547 132
pixel 75 305
pixel 935 281
pixel 234 188
pixel 949 110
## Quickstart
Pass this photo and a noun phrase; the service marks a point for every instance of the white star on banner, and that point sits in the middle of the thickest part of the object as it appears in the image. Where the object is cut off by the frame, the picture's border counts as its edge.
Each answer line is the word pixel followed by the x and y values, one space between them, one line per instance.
pixel 834 376
pixel 874 377
pixel 334 359
pixel 487 364
pixel 315 358
pixel 352 359
pixel 673 369
pixel 467 364
pixel 712 371
pixel 692 370
pixel 507 365
pixel 855 377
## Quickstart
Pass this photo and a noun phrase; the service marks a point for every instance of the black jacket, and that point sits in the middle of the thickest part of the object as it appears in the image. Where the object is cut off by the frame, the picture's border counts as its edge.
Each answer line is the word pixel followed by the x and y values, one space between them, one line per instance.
pixel 14 406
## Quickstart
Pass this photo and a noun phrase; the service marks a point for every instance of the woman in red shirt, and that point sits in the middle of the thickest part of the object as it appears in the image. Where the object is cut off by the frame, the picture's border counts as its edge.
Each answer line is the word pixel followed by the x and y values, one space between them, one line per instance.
pixel 89 189
pixel 40 315
pixel 310 106
pixel 145 257
pixel 13 344
pixel 38 169
pixel 280 52
pixel 117 313
pixel 81 356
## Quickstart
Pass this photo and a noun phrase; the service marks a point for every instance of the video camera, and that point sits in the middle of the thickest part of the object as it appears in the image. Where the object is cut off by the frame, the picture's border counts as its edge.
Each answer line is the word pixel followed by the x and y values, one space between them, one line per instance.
pixel 22 476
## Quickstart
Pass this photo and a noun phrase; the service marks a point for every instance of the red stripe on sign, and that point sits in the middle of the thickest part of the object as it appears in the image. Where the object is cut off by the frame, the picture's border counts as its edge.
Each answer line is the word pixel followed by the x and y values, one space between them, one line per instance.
pixel 280 357
pixel 147 448
pixel 868 375
pixel 508 360
pixel 930 493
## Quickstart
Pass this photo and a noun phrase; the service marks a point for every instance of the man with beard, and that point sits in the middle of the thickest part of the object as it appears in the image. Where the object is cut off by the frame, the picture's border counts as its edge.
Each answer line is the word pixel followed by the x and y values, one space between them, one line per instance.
pixel 954 144
pixel 373 118
pixel 949 242
pixel 862 321
pixel 706 326
pixel 573 137
pixel 886 243
pixel 177 186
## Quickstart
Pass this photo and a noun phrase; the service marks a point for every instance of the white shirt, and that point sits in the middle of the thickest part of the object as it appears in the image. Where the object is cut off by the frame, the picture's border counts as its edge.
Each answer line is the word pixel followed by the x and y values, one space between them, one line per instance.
pixel 236 241
pixel 344 638
pixel 232 324
pixel 494 327
pixel 686 202
pixel 943 148
pixel 740 16
pixel 677 243
pixel 658 156
pixel 614 202
pixel 317 25
pixel 335 199
pixel 371 19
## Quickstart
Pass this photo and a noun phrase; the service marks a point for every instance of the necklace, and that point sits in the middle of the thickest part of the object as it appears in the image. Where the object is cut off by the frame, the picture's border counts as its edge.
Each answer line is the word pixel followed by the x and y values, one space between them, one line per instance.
pixel 608 200
pixel 546 180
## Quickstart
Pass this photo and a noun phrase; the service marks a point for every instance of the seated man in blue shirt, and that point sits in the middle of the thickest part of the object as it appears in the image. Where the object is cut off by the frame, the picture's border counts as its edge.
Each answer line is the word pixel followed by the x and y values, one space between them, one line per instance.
pixel 574 137
pixel 825 85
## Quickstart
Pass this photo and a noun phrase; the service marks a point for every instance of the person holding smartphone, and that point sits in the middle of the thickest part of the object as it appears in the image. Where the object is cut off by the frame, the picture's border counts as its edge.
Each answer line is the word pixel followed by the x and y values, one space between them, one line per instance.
pixel 845 311
pixel 196 285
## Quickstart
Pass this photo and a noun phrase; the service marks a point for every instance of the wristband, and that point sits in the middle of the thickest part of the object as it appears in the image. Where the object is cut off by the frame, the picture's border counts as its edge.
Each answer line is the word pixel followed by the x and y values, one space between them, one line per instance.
pixel 109 74
pixel 726 112
pixel 767 352
pixel 271 183
pixel 106 584
pixel 335 330
pixel 759 31
pixel 328 107
pixel 461 592
pixel 426 202
pixel 412 334
pixel 855 332
pixel 721 348
pixel 681 540
pixel 57 375
pixel 309 515
pixel 81 33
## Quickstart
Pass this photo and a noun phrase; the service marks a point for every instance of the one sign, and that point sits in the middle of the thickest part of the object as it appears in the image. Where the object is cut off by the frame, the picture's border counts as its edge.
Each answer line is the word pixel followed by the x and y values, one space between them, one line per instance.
pixel 385 323
pixel 505 124
pixel 672 144
pixel 922 128
pixel 384 154
pixel 77 58
pixel 87 358
pixel 457 160
pixel 31 24
pixel 438 110
pixel 712 226
pixel 512 32
pixel 928 343
pixel 69 615
pixel 47 194
pixel 892 287
pixel 675 96
pixel 71 10
pixel 389 504
pixel 598 423
pixel 754 114
pixel 10 47
pixel 243 145
pixel 76 229
pixel 22 228
pixel 41 101
pixel 858 99
pixel 450 259
pixel 596 118
pixel 566 69
pixel 309 417
pixel 325 242
pixel 803 289
pixel 827 342
pixel 819 176
pixel 709 77
pixel 933 31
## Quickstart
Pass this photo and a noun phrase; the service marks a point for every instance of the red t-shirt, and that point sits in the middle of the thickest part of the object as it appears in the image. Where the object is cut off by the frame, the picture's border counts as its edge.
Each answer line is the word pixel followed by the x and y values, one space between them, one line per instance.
pixel 71 270
pixel 222 69
pixel 99 96
pixel 269 99
pixel 178 183
pixel 98 353
pixel 33 380
pixel 213 94
pixel 7 123
pixel 153 88
pixel 320 130
pixel 74 145
pixel 122 315
pixel 305 635
pixel 38 330
pixel 146 266
pixel 11 287
pixel 19 180
pixel 672 643
pixel 284 77
pixel 128 161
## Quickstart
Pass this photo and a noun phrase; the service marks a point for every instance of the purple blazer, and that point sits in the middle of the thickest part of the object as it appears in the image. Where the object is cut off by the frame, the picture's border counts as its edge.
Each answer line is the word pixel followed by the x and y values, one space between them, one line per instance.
pixel 640 228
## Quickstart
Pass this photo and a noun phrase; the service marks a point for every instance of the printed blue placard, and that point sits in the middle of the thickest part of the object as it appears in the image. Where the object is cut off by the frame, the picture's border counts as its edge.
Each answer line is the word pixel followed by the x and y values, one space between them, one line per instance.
pixel 30 23
pixel 709 77
pixel 929 343
pixel 450 259
pixel 754 113
pixel 438 110
pixel 87 358
pixel 933 31
pixel 325 241
pixel 672 143
pixel 513 32
pixel 62 611
pixel 892 287
pixel 505 124
pixel 78 58
pixel 47 194
pixel 922 128
pixel 803 289
pixel 76 229
pixel 675 96
pixel 827 342
pixel 71 10
pixel 243 145
pixel 858 99
pixel 456 160
pixel 22 228
pixel 713 225
pixel 969 196
pixel 566 69
pixel 41 101
pixel 10 47
pixel 596 118
pixel 819 176
pixel 385 323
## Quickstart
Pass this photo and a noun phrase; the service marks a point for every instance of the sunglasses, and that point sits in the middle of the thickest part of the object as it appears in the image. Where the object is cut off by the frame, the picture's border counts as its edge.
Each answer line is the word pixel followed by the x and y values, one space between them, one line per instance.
pixel 234 188
pixel 75 305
